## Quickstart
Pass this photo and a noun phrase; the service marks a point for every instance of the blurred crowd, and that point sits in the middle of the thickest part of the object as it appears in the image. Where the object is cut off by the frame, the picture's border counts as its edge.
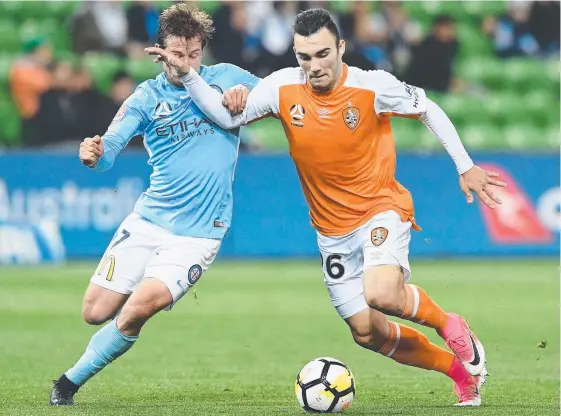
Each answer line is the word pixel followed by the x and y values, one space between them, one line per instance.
pixel 59 103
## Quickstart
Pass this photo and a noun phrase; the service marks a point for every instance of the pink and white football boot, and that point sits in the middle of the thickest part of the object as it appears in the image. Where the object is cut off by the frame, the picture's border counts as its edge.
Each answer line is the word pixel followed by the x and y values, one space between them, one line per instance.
pixel 463 342
pixel 468 391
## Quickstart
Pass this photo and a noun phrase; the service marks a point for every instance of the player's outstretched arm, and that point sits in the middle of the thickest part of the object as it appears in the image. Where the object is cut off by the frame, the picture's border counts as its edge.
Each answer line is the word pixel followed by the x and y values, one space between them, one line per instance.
pixel 210 102
pixel 472 177
pixel 100 153
pixel 395 98
pixel 260 101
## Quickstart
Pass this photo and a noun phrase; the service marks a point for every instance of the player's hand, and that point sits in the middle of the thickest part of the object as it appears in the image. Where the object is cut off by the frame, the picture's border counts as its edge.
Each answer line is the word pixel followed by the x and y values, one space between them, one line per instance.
pixel 91 150
pixel 481 182
pixel 178 65
pixel 235 99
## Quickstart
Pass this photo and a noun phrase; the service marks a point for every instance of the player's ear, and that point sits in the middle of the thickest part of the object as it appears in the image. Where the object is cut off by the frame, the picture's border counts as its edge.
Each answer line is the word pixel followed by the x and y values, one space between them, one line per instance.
pixel 342 47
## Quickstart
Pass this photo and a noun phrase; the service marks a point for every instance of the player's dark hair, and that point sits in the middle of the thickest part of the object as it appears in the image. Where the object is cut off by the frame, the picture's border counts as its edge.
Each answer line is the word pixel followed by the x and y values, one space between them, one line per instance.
pixel 312 21
pixel 184 20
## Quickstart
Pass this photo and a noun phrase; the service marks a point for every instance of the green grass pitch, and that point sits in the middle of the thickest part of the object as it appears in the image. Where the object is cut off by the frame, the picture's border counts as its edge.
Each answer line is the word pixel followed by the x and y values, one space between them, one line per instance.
pixel 235 345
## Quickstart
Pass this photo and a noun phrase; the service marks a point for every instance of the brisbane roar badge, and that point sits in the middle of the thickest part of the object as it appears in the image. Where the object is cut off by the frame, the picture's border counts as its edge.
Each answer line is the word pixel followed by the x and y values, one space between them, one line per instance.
pixel 351 116
pixel 378 235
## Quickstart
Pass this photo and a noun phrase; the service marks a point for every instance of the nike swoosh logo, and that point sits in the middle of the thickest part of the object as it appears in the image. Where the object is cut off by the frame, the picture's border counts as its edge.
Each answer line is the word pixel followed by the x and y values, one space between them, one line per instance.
pixel 476 358
pixel 95 366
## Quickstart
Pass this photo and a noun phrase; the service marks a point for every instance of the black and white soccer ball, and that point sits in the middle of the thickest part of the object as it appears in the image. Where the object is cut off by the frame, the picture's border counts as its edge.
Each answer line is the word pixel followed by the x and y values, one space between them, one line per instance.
pixel 325 385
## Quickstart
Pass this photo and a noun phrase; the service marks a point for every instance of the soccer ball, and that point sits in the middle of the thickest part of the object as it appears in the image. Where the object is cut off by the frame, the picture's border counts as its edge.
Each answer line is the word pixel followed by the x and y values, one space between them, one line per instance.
pixel 325 385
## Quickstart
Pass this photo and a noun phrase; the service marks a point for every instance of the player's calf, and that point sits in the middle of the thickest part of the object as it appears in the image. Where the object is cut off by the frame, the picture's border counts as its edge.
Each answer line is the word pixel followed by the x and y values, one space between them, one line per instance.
pixel 113 340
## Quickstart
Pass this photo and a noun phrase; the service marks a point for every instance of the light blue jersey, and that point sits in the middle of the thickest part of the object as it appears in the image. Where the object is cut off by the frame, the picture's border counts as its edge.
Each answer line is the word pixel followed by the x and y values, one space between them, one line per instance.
pixel 193 160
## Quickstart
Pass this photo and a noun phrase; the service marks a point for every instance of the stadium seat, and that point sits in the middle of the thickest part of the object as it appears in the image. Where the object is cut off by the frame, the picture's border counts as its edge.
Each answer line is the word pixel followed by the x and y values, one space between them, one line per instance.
pixel 541 108
pixel 208 6
pixel 524 136
pixel 552 138
pixel 472 42
pixel 143 69
pixel 9 124
pixel 270 134
pixel 465 109
pixel 5 64
pixel 479 9
pixel 102 68
pixel 481 136
pixel 11 10
pixel 10 36
pixel 406 133
pixel 62 9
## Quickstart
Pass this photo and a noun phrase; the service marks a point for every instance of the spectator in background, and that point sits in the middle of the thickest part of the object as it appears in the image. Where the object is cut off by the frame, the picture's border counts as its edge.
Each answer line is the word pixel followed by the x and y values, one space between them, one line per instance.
pixel 74 108
pixel 29 78
pixel 368 38
pixel 228 40
pixel 100 26
pixel 142 19
pixel 432 61
pixel 511 33
pixel 89 103
pixel 57 119
pixel 401 33
pixel 545 26
pixel 142 25
pixel 276 37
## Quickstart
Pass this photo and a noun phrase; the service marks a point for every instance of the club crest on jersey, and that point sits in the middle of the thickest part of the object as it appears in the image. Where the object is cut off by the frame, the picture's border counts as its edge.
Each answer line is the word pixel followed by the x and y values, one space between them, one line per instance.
pixel 378 235
pixel 121 113
pixel 195 272
pixel 297 113
pixel 162 110
pixel 351 116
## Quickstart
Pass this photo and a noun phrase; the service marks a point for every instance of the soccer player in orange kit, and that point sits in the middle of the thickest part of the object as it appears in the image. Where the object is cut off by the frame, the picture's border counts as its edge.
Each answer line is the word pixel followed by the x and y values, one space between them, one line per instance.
pixel 337 122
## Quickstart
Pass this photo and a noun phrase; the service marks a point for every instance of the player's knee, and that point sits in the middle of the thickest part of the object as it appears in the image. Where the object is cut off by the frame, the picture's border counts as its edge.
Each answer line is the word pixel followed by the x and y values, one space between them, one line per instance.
pixel 94 315
pixel 384 289
pixel 363 338
pixel 368 338
pixel 142 305
pixel 384 301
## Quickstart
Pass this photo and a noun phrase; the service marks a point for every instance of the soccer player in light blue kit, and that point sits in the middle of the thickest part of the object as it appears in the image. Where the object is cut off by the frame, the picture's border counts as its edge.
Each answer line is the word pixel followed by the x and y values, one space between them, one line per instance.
pixel 161 250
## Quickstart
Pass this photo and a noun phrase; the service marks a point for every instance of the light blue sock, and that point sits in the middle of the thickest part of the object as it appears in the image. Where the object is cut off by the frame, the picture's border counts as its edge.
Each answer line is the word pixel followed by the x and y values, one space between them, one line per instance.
pixel 106 345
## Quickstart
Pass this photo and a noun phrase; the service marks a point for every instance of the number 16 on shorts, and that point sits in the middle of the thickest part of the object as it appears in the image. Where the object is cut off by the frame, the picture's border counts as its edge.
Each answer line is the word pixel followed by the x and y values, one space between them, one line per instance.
pixel 332 265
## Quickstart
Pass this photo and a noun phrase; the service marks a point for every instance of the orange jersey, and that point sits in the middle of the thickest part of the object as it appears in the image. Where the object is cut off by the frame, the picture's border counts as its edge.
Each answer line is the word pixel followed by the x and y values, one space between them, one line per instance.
pixel 341 142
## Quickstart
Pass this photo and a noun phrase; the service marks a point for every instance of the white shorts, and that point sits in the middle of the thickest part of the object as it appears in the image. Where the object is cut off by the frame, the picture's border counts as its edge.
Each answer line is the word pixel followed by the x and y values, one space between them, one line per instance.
pixel 142 249
pixel 381 241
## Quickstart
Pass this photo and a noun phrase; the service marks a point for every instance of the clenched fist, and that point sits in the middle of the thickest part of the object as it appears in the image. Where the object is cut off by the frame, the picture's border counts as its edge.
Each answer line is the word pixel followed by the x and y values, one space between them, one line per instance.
pixel 91 150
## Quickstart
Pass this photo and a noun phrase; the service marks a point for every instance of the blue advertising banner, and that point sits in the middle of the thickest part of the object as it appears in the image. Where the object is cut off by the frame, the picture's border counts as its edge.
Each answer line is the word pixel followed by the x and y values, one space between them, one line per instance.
pixel 58 207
